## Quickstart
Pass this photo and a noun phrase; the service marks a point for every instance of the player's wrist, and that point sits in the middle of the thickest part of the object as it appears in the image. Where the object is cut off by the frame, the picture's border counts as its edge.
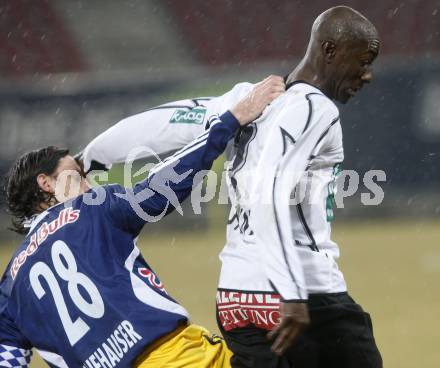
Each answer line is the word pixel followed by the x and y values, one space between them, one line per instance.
pixel 240 115
pixel 228 119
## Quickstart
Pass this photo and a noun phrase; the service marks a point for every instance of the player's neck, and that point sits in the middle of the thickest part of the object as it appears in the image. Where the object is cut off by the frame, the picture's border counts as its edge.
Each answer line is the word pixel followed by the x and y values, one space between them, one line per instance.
pixel 43 206
pixel 306 73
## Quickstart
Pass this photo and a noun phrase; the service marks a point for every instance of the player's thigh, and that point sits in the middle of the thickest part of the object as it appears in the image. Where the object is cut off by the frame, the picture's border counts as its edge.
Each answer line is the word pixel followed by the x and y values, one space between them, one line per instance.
pixel 305 353
pixel 357 347
pixel 344 334
pixel 193 347
pixel 340 335
pixel 252 349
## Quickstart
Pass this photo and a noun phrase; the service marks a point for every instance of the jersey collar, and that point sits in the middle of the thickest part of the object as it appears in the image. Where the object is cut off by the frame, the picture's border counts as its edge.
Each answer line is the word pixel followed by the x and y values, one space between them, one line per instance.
pixel 33 221
pixel 298 82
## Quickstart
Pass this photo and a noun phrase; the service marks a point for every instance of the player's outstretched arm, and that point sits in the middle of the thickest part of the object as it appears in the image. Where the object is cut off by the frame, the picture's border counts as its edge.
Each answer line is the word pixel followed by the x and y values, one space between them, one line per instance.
pixel 159 130
pixel 170 182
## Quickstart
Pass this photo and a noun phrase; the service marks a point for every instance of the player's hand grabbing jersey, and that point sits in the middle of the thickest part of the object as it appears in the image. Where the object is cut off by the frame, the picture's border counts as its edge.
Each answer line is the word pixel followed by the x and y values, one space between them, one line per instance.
pixel 77 288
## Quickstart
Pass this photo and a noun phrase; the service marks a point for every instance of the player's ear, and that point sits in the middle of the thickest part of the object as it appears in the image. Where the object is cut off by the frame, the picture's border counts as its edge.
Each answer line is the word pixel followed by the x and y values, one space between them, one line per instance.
pixel 45 183
pixel 329 51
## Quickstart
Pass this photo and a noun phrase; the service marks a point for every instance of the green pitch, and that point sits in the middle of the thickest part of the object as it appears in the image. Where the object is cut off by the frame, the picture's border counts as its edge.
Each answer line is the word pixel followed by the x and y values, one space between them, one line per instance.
pixel 392 268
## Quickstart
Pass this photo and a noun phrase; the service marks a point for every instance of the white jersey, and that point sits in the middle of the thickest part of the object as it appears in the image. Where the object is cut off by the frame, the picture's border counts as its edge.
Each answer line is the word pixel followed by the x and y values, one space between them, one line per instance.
pixel 274 246
pixel 289 158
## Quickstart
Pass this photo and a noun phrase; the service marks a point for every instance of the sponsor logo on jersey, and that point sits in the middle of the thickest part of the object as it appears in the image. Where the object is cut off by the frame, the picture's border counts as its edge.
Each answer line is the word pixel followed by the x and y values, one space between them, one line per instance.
pixel 152 278
pixel 66 216
pixel 193 116
pixel 330 202
pixel 239 309
pixel 113 350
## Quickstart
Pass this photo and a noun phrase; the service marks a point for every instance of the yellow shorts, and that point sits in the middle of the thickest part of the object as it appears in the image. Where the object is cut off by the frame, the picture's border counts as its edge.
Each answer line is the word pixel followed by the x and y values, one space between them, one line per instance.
pixel 189 346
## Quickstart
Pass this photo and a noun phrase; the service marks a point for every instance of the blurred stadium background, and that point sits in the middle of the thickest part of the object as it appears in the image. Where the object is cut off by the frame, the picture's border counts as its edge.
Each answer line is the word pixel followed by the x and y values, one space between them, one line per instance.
pixel 69 69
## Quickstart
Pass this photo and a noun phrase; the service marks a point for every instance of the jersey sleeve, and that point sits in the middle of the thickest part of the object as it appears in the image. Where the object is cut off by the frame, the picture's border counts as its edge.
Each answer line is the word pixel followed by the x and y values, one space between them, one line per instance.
pixel 170 182
pixel 296 133
pixel 15 350
pixel 153 130
pixel 160 130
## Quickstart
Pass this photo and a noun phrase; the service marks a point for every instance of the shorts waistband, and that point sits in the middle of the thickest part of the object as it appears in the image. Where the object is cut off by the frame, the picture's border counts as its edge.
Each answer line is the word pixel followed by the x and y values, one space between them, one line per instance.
pixel 316 300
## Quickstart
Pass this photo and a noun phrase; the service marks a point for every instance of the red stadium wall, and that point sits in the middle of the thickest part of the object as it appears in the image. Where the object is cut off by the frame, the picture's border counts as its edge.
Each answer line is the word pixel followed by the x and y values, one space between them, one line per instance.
pixel 33 39
pixel 248 30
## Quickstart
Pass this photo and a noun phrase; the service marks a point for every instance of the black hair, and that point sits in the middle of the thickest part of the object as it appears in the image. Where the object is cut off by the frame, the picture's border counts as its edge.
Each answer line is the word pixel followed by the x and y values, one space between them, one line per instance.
pixel 23 194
